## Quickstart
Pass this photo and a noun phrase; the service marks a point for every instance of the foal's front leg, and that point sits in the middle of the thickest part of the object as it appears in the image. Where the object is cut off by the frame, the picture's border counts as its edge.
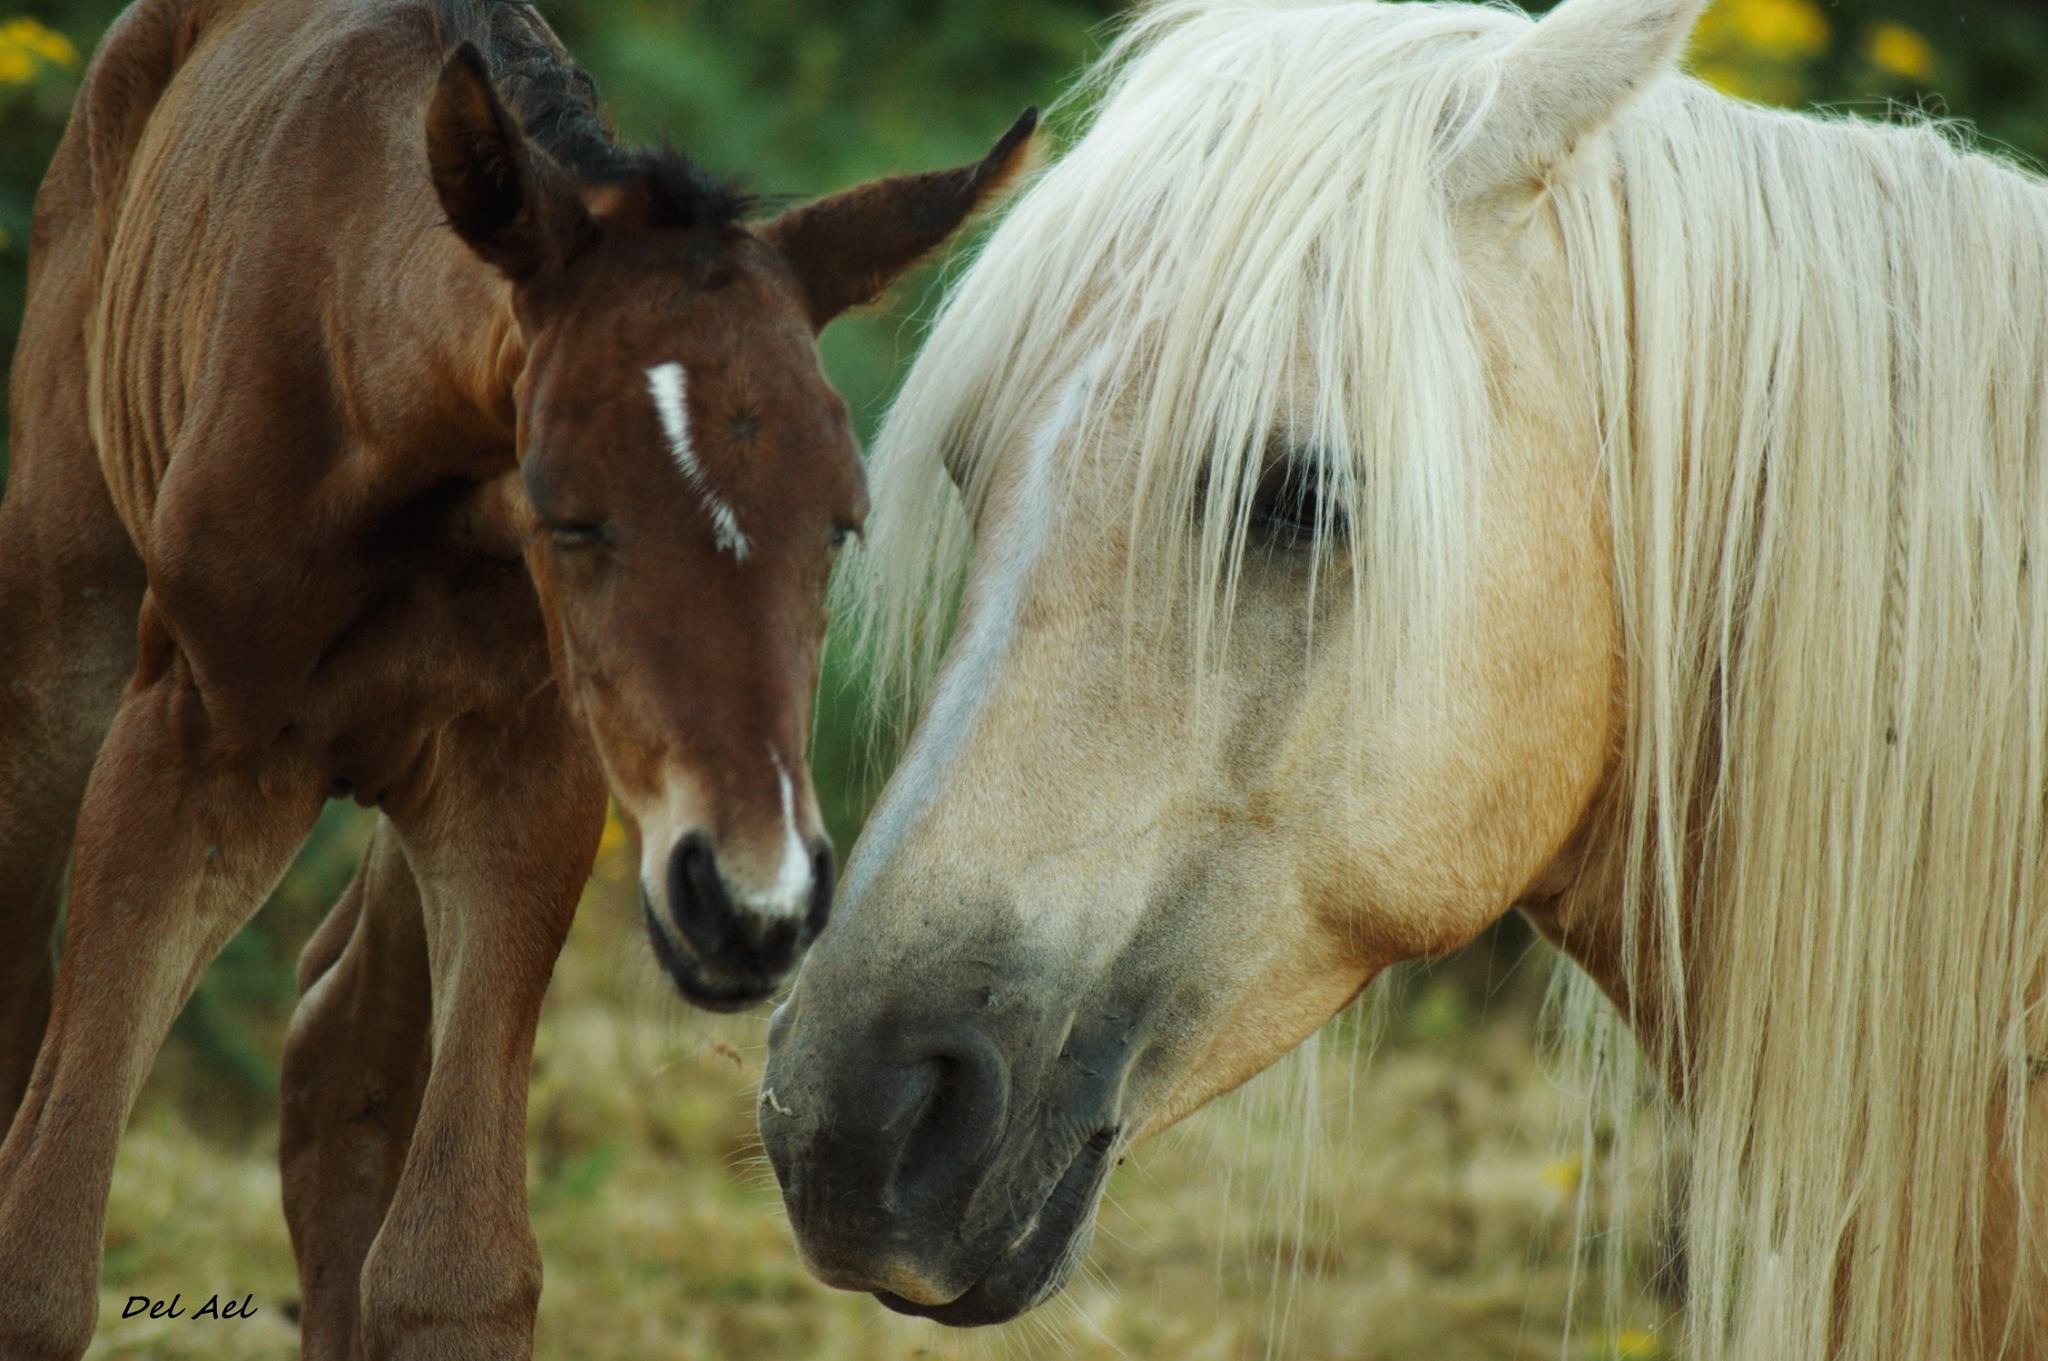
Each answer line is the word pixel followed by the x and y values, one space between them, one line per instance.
pixel 183 833
pixel 500 846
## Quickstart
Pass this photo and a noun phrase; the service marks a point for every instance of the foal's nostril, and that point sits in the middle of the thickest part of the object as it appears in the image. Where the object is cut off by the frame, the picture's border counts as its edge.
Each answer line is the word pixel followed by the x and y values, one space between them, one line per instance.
pixel 697 898
pixel 733 933
pixel 821 889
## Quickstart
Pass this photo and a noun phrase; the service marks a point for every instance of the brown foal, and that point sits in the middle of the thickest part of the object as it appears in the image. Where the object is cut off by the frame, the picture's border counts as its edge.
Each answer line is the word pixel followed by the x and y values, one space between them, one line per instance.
pixel 471 484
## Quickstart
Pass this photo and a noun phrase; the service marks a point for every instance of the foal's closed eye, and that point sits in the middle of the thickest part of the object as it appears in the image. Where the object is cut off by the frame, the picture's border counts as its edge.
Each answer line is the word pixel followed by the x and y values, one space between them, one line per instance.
pixel 578 535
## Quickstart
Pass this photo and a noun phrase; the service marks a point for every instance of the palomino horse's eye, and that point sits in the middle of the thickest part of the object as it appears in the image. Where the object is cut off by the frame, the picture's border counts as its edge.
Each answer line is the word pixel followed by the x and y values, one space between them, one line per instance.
pixel 1292 508
pixel 579 535
pixel 843 531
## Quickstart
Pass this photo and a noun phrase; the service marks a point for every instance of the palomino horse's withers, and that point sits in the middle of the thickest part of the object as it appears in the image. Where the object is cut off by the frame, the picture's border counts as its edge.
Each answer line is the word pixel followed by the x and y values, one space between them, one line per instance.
pixel 454 458
pixel 1408 463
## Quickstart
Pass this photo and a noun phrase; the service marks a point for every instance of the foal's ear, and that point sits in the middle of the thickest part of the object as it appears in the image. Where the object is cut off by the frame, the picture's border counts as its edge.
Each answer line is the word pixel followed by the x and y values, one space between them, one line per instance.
pixel 1567 77
pixel 847 248
pixel 505 200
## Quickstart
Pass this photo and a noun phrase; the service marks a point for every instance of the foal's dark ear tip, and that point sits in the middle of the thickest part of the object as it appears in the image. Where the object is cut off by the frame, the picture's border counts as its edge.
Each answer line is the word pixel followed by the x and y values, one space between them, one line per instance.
pixel 463 90
pixel 465 60
pixel 1019 133
pixel 1010 156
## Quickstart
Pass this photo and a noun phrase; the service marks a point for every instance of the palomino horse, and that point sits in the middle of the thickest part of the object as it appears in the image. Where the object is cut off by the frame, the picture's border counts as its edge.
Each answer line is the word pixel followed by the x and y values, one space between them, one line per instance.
pixel 1408 464
pixel 472 525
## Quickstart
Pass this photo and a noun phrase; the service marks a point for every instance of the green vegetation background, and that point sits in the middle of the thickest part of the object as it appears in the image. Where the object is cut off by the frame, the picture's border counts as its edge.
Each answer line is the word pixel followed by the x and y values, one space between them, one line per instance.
pixel 797 97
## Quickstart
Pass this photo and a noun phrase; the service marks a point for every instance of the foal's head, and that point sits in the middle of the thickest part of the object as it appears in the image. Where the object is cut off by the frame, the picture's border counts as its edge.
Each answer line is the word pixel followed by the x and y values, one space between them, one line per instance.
pixel 692 477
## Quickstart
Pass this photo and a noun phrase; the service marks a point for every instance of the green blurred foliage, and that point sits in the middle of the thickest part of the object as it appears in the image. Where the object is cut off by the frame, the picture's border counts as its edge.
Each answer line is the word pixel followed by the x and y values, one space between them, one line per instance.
pixel 798 97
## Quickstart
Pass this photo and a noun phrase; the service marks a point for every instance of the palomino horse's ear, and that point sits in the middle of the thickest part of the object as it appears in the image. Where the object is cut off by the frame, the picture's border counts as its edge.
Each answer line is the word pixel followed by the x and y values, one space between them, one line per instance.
pixel 1566 77
pixel 847 248
pixel 501 198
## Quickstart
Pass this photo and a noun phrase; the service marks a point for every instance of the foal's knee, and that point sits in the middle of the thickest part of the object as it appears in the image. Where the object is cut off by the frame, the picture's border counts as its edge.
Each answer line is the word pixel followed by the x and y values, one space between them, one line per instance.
pixel 427 1298
pixel 45 1324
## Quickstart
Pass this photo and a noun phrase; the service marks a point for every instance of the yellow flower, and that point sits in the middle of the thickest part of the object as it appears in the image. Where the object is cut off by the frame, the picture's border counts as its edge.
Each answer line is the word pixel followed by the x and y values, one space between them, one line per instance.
pixel 613 862
pixel 1635 1344
pixel 1901 51
pixel 1778 28
pixel 26 45
pixel 57 49
pixel 1562 1175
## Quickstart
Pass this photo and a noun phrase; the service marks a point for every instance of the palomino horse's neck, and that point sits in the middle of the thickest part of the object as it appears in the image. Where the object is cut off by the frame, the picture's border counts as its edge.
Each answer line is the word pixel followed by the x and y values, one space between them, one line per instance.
pixel 1578 906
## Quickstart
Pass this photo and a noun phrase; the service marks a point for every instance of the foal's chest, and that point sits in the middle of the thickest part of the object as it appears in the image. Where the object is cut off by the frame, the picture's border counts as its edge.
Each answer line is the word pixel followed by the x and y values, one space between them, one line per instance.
pixel 447 619
pixel 447 627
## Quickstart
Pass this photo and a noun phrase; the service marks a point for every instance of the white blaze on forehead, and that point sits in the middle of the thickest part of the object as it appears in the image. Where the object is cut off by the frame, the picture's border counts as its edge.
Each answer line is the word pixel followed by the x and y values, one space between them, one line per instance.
pixel 665 383
pixel 1018 543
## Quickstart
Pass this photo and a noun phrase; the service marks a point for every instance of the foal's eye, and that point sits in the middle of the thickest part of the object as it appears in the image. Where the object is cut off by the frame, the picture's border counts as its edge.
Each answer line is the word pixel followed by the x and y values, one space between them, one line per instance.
pixel 578 535
pixel 1292 505
pixel 843 531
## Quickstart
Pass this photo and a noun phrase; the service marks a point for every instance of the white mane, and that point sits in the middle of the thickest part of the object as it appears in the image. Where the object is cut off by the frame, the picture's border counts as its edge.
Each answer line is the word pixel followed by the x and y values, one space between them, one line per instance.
pixel 1824 347
pixel 1821 350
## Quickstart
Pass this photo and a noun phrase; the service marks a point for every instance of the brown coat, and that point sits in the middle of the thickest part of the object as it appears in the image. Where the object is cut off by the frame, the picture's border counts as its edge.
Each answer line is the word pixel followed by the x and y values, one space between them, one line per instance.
pixel 467 474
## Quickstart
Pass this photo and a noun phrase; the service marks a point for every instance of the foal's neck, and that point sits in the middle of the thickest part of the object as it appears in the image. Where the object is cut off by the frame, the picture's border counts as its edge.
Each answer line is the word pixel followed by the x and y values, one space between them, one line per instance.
pixel 427 354
pixel 448 362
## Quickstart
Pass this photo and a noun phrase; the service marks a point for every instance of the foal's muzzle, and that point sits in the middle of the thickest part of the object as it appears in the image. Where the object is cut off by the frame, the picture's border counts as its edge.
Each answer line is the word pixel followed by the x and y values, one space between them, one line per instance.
pixel 726 949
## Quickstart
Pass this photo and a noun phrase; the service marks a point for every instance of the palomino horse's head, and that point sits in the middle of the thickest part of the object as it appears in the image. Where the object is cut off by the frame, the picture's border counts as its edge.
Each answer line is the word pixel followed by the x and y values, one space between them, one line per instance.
pixel 1287 643
pixel 692 477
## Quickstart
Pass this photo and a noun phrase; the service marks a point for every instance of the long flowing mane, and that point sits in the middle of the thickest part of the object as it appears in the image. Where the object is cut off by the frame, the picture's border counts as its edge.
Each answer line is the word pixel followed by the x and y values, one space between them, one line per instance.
pixel 1820 350
pixel 1824 360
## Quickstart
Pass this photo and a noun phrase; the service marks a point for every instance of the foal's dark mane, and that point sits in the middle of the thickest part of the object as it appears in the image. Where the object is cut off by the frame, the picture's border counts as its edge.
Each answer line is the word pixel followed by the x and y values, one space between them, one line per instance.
pixel 556 104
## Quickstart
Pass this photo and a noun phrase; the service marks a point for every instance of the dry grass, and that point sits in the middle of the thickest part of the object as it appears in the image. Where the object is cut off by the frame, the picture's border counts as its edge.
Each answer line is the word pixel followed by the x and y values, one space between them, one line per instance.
pixel 1412 1207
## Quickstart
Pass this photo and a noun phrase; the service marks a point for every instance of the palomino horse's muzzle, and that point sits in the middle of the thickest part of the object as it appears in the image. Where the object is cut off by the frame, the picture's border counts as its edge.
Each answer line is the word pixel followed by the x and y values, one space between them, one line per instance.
pixel 727 949
pixel 947 1161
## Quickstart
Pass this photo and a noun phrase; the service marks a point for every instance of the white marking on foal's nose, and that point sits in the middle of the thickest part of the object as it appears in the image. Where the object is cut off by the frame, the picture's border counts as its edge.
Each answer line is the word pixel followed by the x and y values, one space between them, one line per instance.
pixel 684 811
pixel 665 383
pixel 790 894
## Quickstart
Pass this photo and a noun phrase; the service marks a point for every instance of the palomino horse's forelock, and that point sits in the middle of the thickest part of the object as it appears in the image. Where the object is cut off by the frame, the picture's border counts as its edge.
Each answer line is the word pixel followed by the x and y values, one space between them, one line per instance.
pixel 1166 191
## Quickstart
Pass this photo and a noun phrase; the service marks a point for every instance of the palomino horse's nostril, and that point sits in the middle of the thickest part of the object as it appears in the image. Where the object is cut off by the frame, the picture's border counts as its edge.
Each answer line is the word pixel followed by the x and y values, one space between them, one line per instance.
pixel 959 1101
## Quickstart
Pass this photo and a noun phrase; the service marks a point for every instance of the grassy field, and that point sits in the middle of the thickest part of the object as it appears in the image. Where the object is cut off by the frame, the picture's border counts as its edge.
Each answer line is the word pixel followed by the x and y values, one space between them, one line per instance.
pixel 1414 1204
